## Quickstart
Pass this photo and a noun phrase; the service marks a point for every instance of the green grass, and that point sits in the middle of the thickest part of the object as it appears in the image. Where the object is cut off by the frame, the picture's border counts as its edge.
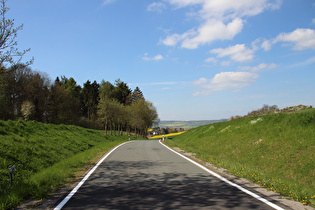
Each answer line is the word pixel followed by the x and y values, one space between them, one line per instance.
pixel 276 151
pixel 46 156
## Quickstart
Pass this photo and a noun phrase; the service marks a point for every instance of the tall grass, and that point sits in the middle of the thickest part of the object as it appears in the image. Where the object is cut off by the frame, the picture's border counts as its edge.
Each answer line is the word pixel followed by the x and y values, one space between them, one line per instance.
pixel 45 156
pixel 276 151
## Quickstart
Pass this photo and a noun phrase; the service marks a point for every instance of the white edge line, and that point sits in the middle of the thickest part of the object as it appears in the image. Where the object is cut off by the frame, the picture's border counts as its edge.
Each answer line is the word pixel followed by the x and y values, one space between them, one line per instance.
pixel 227 181
pixel 66 199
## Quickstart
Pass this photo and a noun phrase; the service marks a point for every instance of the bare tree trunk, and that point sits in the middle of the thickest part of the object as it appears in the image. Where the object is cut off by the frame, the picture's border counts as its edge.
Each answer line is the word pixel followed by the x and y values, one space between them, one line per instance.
pixel 121 130
pixel 106 128
pixel 128 130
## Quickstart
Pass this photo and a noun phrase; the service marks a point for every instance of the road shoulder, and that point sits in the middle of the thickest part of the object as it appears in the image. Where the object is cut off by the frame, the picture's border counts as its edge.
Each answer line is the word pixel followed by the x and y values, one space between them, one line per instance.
pixel 270 195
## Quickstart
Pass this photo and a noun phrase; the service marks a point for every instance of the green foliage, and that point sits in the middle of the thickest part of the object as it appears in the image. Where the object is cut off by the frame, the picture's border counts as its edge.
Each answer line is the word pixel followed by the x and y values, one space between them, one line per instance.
pixel 276 151
pixel 27 94
pixel 45 156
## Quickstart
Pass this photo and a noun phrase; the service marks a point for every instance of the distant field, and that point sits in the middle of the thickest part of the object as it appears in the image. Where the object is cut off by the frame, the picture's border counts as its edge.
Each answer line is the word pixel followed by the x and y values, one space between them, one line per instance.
pixel 276 151
pixel 46 156
pixel 187 124
pixel 167 135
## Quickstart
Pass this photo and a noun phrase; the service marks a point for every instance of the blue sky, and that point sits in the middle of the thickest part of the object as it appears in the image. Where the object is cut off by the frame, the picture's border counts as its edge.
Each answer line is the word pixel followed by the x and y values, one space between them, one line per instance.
pixel 194 59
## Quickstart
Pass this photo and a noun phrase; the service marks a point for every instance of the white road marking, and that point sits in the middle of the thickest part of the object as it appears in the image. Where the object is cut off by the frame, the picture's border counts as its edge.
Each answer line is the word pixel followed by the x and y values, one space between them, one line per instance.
pixel 66 199
pixel 227 181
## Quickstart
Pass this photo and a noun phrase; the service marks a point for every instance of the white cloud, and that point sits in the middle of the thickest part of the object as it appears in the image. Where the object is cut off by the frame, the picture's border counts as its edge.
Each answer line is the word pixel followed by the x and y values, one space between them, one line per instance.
pixel 261 43
pixel 313 20
pixel 173 39
pixel 225 81
pixel 255 44
pixel 225 63
pixel 238 53
pixel 106 2
pixel 213 30
pixel 220 20
pixel 158 57
pixel 260 67
pixel 304 63
pixel 266 45
pixel 211 60
pixel 200 81
pixel 156 7
pixel 155 58
pixel 229 8
pixel 301 38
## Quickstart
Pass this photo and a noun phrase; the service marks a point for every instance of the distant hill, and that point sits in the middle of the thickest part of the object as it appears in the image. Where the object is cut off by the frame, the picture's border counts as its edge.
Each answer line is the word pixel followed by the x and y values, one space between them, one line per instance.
pixel 187 124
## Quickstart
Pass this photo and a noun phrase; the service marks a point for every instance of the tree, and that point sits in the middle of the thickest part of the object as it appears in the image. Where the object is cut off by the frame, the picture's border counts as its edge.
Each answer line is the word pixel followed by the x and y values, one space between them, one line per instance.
pixel 107 90
pixel 90 97
pixel 9 53
pixel 65 102
pixel 143 116
pixel 13 90
pixel 74 91
pixel 121 91
pixel 5 96
pixel 108 113
pixel 37 92
pixel 27 109
pixel 134 96
pixel 57 106
pixel 18 84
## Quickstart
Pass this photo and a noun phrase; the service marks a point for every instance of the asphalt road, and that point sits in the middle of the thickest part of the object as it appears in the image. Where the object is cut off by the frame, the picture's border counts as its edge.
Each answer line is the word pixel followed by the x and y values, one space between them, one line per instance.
pixel 146 175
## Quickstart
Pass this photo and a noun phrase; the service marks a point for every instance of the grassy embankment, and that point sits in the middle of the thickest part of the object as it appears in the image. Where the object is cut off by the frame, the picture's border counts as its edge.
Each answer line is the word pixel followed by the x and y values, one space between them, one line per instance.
pixel 276 151
pixel 46 156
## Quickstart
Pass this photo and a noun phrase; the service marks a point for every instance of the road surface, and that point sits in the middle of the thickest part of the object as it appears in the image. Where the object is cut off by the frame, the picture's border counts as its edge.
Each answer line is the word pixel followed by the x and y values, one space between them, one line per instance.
pixel 147 175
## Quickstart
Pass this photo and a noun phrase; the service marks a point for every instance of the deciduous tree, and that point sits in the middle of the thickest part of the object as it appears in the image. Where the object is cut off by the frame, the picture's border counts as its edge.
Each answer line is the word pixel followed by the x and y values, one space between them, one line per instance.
pixel 121 91
pixel 134 96
pixel 9 53
pixel 90 96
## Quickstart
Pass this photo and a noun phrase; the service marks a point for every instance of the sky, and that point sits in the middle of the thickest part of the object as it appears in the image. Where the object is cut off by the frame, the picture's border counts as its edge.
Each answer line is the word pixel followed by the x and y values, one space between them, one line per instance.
pixel 193 59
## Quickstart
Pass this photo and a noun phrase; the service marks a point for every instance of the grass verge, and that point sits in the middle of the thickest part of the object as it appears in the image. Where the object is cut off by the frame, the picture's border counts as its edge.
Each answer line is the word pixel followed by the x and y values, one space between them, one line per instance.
pixel 46 157
pixel 276 151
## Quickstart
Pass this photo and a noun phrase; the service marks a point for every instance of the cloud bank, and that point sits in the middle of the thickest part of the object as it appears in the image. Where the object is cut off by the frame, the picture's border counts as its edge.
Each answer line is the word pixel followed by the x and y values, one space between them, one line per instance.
pixel 155 58
pixel 156 7
pixel 301 39
pixel 220 20
pixel 238 53
pixel 225 81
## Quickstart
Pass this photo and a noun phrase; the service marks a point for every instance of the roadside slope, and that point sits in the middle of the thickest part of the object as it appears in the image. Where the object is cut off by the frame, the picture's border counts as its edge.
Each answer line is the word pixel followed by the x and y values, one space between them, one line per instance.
pixel 276 151
pixel 45 157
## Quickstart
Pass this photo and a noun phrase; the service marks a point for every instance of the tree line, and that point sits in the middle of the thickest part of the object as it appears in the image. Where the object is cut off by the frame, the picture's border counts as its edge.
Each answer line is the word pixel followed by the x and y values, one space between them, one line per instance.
pixel 31 95
pixel 265 109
